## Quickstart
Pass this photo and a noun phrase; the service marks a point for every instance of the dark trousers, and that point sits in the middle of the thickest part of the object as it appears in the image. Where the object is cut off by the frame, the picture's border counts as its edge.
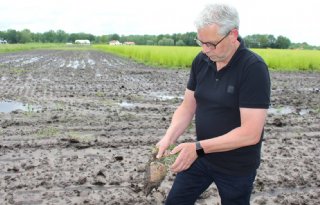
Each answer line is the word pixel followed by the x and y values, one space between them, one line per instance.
pixel 189 184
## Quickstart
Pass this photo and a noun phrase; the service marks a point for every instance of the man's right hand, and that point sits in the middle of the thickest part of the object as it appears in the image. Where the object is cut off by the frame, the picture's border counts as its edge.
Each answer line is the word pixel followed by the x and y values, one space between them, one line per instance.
pixel 162 146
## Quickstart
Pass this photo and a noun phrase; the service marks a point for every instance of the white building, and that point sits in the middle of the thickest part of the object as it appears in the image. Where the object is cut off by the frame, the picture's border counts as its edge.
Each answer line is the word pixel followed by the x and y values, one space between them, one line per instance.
pixel 130 43
pixel 114 43
pixel 82 42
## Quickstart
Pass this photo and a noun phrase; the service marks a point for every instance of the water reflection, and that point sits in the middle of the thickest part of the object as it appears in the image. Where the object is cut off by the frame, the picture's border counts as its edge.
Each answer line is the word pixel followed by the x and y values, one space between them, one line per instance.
pixel 126 105
pixel 287 110
pixel 9 106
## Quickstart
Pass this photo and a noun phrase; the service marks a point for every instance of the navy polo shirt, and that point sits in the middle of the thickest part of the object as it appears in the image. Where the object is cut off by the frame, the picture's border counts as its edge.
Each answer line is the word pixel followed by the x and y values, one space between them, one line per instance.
pixel 243 82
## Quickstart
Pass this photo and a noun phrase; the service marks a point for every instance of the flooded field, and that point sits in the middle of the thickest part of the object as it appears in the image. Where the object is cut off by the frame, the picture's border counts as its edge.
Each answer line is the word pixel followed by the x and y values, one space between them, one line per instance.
pixel 77 127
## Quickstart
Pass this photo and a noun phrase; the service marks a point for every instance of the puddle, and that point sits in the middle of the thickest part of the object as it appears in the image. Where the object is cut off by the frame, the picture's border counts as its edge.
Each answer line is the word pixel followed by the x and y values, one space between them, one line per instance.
pixel 32 60
pixel 287 110
pixel 303 112
pixel 45 80
pixel 162 96
pixel 74 64
pixel 91 62
pixel 9 106
pixel 316 90
pixel 126 105
pixel 280 111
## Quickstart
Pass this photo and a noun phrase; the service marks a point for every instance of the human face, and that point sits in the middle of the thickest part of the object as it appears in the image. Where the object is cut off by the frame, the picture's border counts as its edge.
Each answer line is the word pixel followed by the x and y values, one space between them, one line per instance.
pixel 215 46
pixel 210 44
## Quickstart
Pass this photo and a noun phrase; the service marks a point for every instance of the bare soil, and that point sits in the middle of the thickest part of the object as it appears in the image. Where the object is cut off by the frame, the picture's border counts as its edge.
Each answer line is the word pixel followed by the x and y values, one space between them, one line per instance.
pixel 91 120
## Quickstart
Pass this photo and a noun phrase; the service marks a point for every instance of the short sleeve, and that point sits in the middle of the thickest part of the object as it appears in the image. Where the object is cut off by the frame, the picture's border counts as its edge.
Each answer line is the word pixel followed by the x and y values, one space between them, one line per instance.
pixel 195 66
pixel 255 87
pixel 192 82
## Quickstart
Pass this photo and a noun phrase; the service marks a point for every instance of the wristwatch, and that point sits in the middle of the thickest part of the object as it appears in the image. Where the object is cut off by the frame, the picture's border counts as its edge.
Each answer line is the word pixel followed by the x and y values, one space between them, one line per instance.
pixel 199 149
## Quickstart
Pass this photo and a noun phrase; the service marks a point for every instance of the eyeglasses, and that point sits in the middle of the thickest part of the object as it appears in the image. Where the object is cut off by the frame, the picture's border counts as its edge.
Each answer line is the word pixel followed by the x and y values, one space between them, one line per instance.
pixel 209 44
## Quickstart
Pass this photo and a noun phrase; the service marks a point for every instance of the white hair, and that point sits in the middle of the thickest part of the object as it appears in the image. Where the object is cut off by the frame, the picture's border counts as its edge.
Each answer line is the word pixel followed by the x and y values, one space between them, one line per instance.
pixel 223 15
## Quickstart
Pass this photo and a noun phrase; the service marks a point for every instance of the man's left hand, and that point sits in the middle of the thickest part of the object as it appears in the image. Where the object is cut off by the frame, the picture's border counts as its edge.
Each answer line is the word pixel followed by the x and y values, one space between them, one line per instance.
pixel 185 158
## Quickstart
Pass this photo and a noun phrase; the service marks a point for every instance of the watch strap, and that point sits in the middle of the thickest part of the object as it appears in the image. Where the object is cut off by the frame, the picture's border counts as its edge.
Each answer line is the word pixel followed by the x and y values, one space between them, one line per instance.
pixel 199 149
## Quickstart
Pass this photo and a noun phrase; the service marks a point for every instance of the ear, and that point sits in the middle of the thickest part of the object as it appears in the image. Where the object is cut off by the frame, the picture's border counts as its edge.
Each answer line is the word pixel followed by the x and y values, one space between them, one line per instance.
pixel 234 33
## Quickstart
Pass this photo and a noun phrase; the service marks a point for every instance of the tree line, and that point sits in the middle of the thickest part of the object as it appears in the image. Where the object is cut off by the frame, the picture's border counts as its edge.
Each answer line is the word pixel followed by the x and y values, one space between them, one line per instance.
pixel 178 39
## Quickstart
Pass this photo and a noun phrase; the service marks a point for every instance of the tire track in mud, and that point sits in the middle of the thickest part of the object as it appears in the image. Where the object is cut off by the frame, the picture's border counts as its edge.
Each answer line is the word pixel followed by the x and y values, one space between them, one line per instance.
pixel 93 119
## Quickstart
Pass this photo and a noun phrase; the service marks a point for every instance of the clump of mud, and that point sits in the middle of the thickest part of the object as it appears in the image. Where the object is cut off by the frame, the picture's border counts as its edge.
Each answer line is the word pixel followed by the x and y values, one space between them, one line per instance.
pixel 155 173
pixel 157 169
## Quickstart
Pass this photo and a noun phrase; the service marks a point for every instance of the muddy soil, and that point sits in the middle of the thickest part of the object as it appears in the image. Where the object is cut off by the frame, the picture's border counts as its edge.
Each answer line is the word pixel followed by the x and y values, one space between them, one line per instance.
pixel 90 119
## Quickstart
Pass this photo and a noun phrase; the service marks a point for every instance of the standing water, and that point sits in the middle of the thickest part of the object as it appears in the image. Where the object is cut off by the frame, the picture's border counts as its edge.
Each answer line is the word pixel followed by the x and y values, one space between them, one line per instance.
pixel 9 106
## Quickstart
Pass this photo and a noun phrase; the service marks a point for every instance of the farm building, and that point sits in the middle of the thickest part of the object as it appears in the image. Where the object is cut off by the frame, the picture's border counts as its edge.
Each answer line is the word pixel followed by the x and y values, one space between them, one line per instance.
pixel 130 43
pixel 3 41
pixel 114 43
pixel 82 42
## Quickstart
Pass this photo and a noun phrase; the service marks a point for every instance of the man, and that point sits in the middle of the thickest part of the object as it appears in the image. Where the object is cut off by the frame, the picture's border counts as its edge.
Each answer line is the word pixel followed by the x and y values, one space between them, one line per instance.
pixel 228 92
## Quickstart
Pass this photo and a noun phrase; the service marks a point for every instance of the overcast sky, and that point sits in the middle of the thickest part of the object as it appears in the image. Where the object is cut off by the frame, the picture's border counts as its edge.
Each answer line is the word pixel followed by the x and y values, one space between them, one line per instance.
pixel 298 20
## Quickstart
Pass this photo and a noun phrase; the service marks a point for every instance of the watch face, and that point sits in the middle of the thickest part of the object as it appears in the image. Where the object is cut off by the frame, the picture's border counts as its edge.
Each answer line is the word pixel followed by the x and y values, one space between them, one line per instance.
pixel 198 146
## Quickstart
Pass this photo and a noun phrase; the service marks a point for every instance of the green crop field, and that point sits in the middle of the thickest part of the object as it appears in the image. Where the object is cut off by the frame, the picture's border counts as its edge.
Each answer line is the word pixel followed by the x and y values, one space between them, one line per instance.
pixel 181 57
pixel 5 48
pixel 285 59
pixel 167 56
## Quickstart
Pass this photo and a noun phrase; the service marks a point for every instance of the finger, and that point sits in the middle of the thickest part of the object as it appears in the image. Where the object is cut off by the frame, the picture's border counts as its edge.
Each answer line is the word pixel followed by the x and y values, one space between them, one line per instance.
pixel 183 162
pixel 180 167
pixel 176 149
pixel 176 166
pixel 161 151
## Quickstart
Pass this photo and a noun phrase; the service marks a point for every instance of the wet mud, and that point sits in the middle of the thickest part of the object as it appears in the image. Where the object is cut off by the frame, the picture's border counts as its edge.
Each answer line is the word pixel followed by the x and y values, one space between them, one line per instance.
pixel 77 127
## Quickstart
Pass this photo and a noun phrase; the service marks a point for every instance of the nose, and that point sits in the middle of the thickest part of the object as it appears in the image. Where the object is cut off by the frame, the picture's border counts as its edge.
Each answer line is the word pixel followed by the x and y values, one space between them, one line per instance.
pixel 205 48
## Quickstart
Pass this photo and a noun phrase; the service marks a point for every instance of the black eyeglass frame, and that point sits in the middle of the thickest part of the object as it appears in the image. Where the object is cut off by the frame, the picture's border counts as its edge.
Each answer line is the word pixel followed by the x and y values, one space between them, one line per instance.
pixel 209 44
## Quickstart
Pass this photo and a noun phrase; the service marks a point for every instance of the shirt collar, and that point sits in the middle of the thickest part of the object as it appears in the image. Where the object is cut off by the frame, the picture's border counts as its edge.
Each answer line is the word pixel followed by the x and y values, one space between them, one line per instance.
pixel 232 60
pixel 237 53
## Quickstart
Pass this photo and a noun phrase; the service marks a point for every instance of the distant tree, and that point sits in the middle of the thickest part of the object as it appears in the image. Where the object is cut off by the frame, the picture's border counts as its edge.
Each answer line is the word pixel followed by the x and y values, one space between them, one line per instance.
pixel 251 41
pixel 3 35
pixel 175 37
pixel 260 41
pixel 150 42
pixel 104 39
pixel 188 38
pixel 282 42
pixel 73 37
pixel 303 45
pixel 12 36
pixel 37 37
pixel 150 39
pixel 97 39
pixel 166 42
pixel 180 43
pixel 263 39
pixel 90 37
pixel 115 37
pixel 81 36
pixel 24 36
pixel 271 41
pixel 123 38
pixel 62 37
pixel 49 37
pixel 179 39
pixel 159 37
